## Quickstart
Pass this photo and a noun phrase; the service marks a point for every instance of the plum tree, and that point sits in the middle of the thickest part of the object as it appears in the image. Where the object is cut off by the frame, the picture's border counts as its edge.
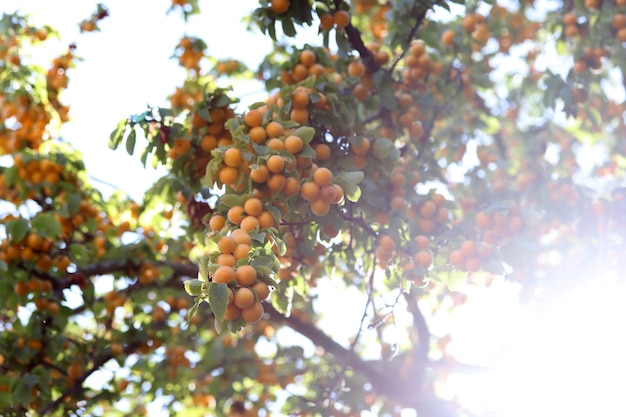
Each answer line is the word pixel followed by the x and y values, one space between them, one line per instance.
pixel 417 150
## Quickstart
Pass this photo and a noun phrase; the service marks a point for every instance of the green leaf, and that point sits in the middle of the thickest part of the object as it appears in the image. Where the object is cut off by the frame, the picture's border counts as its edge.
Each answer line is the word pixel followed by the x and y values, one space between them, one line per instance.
pixel 47 225
pixel 218 300
pixel 130 142
pixel 381 148
pixel 79 254
pixel 305 133
pixel 269 281
pixel 17 229
pixel 117 134
pixel 348 181
pixel 455 279
pixel 194 309
pixel 353 177
pixel 283 299
pixel 5 400
pixel 288 28
pixel 230 200
pixel 73 203
pixel 194 287
pixel 203 267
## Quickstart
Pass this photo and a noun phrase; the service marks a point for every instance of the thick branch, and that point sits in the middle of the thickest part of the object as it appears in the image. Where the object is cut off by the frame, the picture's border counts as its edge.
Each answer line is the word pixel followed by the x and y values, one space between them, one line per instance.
pixel 381 374
pixel 77 386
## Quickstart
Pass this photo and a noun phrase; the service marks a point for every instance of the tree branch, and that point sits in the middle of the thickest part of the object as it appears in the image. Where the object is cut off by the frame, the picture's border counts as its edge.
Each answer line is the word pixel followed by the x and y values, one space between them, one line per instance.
pixel 378 373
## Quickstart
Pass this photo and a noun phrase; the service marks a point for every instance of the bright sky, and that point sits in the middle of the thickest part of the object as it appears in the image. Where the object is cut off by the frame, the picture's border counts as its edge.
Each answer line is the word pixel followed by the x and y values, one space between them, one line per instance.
pixel 128 65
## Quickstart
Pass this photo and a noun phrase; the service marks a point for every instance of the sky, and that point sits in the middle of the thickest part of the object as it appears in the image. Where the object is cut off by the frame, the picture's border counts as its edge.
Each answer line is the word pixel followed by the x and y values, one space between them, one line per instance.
pixel 127 66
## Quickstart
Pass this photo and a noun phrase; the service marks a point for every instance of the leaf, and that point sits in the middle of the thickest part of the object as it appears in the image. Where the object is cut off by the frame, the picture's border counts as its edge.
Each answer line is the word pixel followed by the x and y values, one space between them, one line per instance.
pixel 230 200
pixel 381 148
pixel 73 203
pixel 269 281
pixel 117 134
pixel 283 300
pixel 5 400
pixel 353 177
pixel 288 28
pixel 203 267
pixel 194 287
pixel 79 254
pixel 17 229
pixel 455 279
pixel 194 309
pixel 218 300
pixel 305 133
pixel 130 142
pixel 348 181
pixel 47 225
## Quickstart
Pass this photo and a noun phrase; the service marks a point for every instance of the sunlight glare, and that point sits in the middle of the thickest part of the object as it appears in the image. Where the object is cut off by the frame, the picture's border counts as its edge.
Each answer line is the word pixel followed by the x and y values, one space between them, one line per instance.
pixel 571 362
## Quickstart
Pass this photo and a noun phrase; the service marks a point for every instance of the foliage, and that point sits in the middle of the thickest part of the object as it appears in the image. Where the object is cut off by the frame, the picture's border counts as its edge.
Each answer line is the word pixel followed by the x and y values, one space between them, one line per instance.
pixel 419 149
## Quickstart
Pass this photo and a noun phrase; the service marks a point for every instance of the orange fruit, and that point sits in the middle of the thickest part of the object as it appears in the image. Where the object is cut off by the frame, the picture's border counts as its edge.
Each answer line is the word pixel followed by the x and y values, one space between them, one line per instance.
pixel 253 206
pixel 299 72
pixel 246 275
pixel 291 187
pixel 262 290
pixel 253 118
pixel 447 37
pixel 233 157
pixel 422 241
pixel 341 18
pixel 276 164
pixel 323 176
pixel 473 264
pixel 232 312
pixel 293 144
pixel 242 250
pixel 274 129
pixel 260 174
pixel 236 214
pixel 228 175
pixel 279 6
pixel 226 244
pixel 307 57
pixel 226 259
pixel 244 298
pixel 456 258
pixel 300 116
pixel 362 148
pixel 356 69
pixel 320 207
pixel 276 144
pixel 276 182
pixel 387 243
pixel 322 151
pixel 241 236
pixel 310 191
pixel 258 135
pixel 254 313
pixel 224 275
pixel 208 143
pixel 468 248
pixel 249 223
pixel 428 209
pixel 327 21
pixel 266 219
pixel 75 370
pixel 300 99
pixel 424 259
